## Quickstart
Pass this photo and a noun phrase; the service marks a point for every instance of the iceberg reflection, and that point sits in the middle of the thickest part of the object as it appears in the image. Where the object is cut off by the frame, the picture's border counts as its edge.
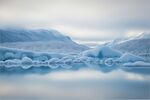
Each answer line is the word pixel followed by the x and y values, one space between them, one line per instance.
pixel 83 84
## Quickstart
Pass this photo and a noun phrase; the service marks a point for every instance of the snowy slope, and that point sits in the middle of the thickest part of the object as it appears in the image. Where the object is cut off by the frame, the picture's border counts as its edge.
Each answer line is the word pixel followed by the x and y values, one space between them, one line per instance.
pixel 52 46
pixel 144 35
pixel 38 40
pixel 134 46
pixel 139 45
pixel 27 35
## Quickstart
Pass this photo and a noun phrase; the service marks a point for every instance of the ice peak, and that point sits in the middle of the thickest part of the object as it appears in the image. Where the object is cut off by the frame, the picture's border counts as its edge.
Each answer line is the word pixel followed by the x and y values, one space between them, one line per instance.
pixel 144 35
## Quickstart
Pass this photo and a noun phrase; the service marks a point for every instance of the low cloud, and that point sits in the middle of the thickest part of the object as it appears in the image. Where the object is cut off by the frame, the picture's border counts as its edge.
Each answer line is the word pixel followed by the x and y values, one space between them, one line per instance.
pixel 80 19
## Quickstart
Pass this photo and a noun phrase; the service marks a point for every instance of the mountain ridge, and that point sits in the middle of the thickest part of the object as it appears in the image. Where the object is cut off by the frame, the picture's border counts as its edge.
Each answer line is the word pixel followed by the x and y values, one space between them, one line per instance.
pixel 39 40
pixel 28 35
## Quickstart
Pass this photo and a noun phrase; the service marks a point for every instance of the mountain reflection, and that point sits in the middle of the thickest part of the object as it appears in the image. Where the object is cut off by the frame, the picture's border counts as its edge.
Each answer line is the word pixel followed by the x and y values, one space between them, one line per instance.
pixel 83 84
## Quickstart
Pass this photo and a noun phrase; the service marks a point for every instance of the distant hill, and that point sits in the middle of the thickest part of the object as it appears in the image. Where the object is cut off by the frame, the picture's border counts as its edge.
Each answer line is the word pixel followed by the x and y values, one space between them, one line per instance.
pixel 139 45
pixel 28 35
pixel 38 40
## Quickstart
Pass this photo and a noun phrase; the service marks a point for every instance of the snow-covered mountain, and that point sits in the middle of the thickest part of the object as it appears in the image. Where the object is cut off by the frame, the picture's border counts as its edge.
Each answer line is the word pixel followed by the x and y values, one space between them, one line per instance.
pixel 39 40
pixel 144 35
pixel 139 45
pixel 134 46
pixel 26 35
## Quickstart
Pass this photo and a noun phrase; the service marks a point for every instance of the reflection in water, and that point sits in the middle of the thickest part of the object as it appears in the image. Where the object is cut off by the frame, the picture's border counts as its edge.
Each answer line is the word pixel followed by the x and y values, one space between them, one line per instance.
pixel 84 84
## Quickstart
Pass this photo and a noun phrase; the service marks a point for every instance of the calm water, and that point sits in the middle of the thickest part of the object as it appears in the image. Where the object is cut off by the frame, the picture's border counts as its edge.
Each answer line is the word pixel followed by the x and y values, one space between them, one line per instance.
pixel 83 84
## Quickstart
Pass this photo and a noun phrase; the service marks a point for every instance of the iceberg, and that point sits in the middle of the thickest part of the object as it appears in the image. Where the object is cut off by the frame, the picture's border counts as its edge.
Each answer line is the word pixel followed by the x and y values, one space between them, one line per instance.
pixel 138 63
pixel 56 52
pixel 102 52
pixel 10 53
pixel 128 57
pixel 26 62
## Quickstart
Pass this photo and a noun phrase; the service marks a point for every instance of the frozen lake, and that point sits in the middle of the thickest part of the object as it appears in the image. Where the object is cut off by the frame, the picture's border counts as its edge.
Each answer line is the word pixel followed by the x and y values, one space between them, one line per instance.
pixel 83 84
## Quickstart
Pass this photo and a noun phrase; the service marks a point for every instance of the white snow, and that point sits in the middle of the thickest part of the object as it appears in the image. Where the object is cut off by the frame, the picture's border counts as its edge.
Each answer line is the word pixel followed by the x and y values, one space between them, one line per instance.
pixel 52 46
pixel 139 45
pixel 26 35
pixel 39 40
pixel 144 35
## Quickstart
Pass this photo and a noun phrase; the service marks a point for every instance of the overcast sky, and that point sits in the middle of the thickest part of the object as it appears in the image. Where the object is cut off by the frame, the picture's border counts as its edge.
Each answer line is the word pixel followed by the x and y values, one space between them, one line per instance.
pixel 80 19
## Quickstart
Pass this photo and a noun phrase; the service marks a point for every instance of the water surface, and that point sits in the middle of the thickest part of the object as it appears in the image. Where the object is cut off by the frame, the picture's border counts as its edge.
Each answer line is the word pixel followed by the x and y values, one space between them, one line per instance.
pixel 83 84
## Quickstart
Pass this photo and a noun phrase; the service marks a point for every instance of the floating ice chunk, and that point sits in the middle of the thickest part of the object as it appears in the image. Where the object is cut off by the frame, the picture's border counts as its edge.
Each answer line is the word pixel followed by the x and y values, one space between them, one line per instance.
pixel 127 57
pixel 138 63
pixel 8 63
pixel 54 63
pixel 109 62
pixel 12 63
pixel 9 55
pixel 91 53
pixel 26 62
pixel 102 52
pixel 67 64
pixel 1 56
pixel 18 55
pixel 41 58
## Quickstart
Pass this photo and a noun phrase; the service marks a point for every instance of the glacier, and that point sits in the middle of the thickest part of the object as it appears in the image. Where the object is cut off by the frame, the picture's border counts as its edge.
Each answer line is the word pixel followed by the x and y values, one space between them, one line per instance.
pixel 39 40
pixel 37 50
pixel 104 56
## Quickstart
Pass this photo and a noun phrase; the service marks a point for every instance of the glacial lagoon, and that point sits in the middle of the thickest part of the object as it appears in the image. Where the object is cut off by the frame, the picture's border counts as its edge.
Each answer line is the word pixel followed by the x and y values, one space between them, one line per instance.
pixel 87 83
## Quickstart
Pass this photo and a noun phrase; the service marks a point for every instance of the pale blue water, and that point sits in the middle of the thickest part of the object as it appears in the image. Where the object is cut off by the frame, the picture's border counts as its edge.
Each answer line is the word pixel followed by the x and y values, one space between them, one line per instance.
pixel 83 84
